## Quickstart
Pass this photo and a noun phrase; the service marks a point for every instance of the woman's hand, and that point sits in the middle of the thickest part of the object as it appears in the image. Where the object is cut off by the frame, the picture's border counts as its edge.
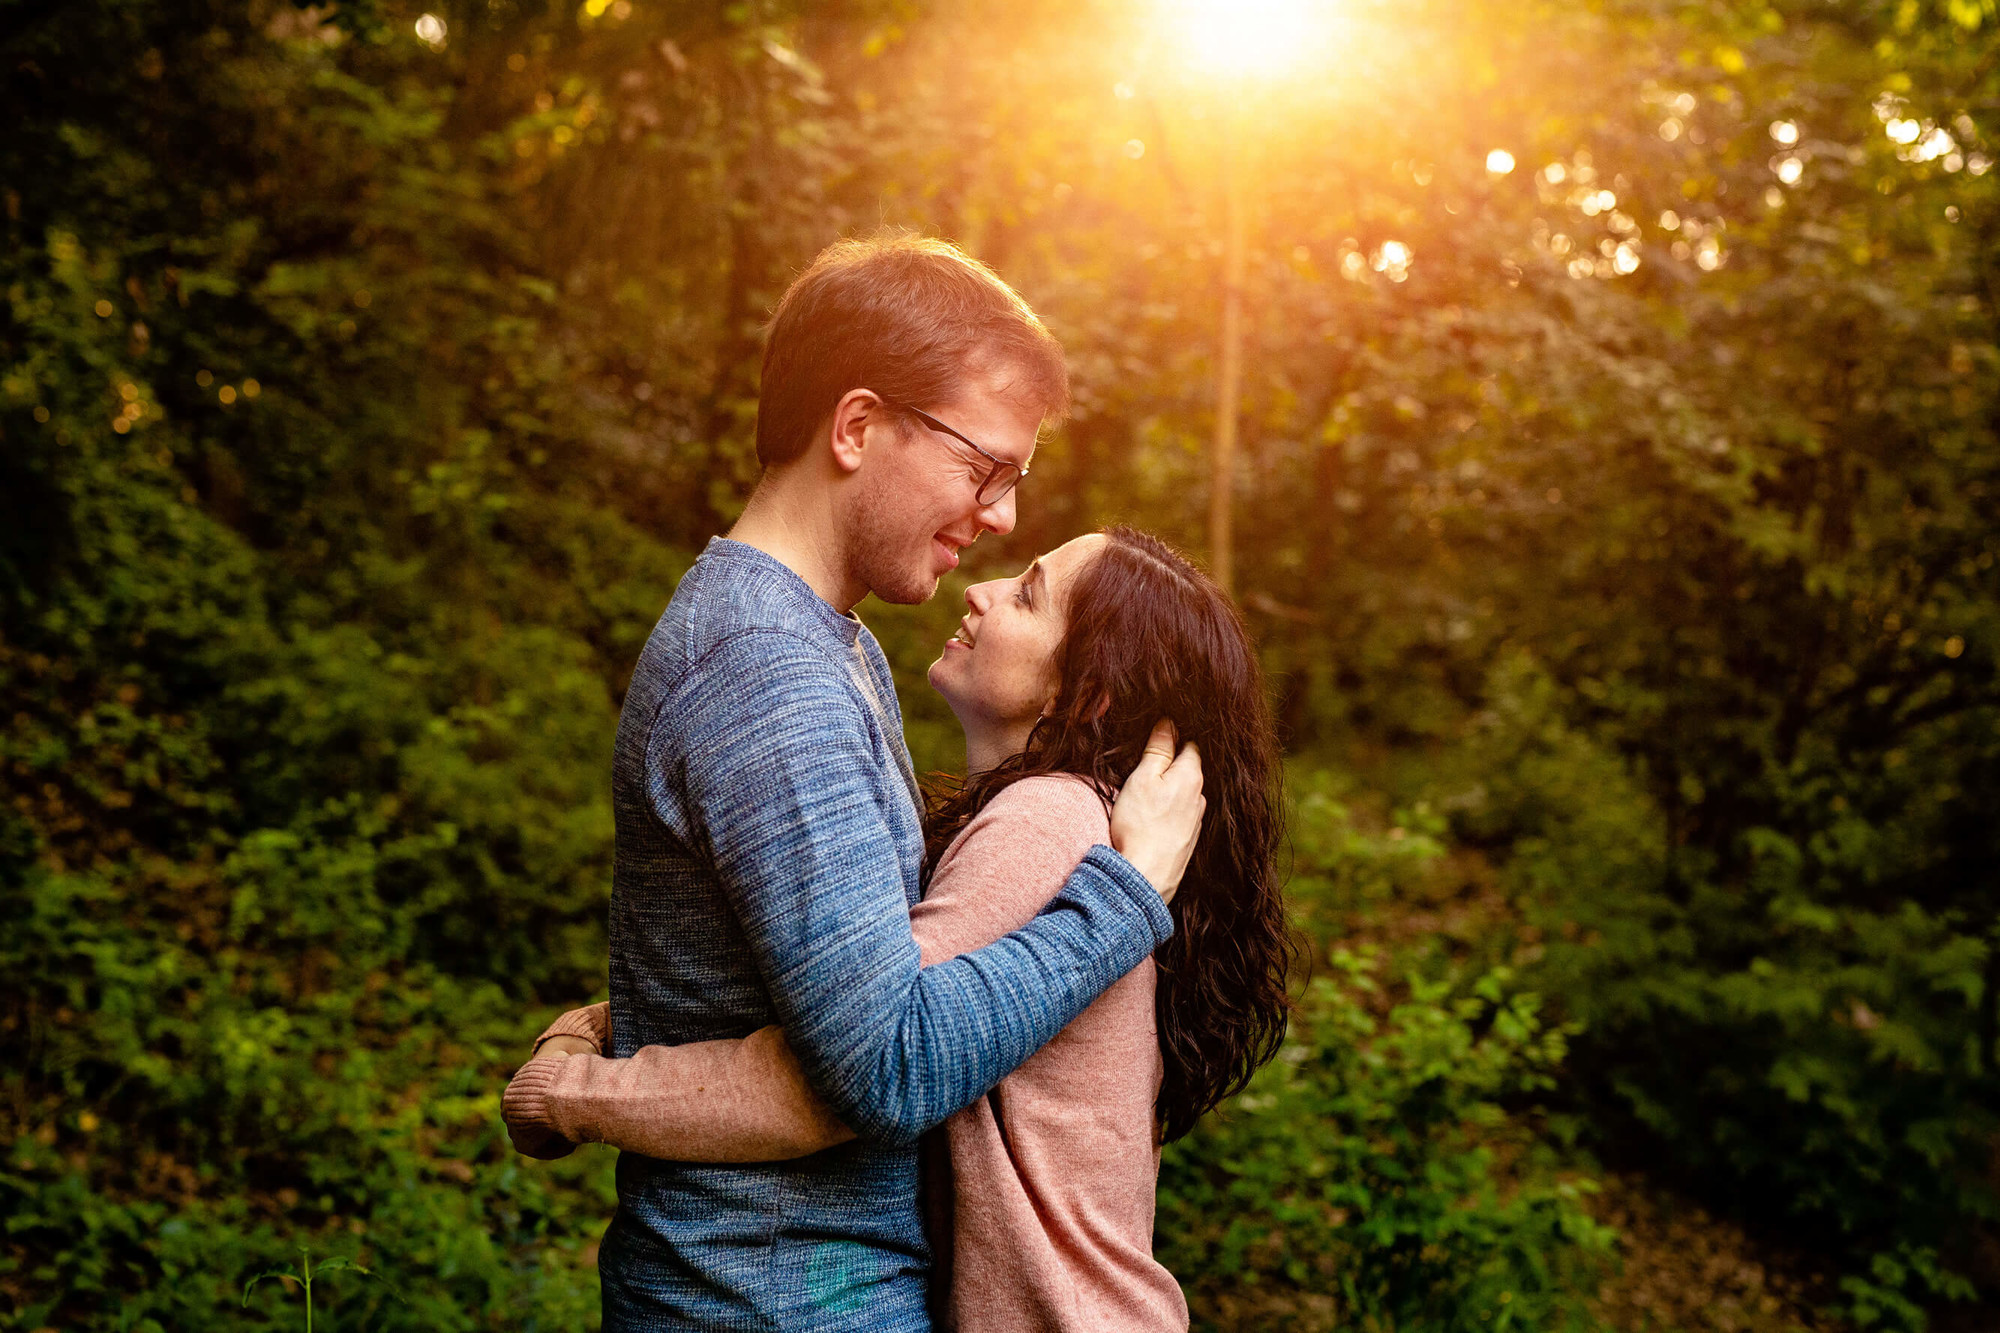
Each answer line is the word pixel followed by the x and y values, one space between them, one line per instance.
pixel 532 1138
pixel 1157 817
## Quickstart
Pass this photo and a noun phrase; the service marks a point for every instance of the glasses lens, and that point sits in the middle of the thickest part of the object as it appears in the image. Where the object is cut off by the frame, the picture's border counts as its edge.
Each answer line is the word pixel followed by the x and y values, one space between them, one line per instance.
pixel 998 482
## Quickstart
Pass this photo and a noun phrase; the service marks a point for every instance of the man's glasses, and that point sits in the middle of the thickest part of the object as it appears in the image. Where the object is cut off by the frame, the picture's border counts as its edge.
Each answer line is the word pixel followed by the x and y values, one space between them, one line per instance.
pixel 1002 478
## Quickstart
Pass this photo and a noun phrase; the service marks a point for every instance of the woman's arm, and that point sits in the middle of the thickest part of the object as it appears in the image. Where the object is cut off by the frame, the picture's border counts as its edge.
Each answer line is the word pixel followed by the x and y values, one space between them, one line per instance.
pixel 586 1031
pixel 707 1101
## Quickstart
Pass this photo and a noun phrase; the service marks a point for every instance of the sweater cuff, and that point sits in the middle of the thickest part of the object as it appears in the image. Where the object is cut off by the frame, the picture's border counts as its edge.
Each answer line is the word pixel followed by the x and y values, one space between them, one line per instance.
pixel 592 1023
pixel 1137 887
pixel 525 1103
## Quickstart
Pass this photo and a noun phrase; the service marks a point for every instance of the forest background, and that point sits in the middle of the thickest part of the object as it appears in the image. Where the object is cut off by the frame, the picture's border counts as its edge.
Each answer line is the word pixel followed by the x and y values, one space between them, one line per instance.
pixel 1616 517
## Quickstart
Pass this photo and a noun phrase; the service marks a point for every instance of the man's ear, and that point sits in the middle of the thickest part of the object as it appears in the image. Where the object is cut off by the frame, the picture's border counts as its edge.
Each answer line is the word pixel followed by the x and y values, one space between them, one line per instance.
pixel 847 429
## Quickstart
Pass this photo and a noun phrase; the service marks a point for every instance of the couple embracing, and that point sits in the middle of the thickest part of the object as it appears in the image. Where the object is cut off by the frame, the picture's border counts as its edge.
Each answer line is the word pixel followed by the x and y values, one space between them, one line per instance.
pixel 877 1066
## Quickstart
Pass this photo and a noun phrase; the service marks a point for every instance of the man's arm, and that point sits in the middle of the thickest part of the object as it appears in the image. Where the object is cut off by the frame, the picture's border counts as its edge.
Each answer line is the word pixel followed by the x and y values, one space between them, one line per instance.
pixel 774 755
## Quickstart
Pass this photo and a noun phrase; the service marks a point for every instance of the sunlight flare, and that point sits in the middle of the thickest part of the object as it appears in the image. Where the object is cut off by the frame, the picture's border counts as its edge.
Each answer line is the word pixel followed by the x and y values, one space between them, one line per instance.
pixel 1253 37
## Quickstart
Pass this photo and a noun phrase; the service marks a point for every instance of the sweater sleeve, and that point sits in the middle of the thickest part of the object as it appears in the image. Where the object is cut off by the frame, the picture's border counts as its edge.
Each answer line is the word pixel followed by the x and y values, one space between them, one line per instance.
pixel 520 1105
pixel 776 777
pixel 741 1100
pixel 592 1023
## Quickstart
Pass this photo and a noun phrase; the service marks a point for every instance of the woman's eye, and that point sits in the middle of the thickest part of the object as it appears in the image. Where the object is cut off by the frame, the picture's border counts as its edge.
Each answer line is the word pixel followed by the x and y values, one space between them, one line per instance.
pixel 1021 595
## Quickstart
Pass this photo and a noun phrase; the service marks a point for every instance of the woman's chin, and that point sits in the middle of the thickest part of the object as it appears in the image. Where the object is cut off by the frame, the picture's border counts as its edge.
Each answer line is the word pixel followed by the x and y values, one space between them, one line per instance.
pixel 943 679
pixel 939 675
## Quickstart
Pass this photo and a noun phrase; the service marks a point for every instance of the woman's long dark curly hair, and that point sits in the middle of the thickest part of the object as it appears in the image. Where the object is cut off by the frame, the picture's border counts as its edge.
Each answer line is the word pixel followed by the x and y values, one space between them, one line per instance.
pixel 1151 636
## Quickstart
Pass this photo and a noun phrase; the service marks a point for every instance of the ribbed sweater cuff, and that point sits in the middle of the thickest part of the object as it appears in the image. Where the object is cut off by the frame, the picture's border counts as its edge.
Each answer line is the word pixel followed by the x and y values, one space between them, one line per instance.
pixel 1137 887
pixel 592 1023
pixel 525 1103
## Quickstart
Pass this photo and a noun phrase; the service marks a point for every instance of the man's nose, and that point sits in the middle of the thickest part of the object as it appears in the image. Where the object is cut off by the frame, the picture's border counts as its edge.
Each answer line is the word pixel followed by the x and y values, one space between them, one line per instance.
pixel 998 517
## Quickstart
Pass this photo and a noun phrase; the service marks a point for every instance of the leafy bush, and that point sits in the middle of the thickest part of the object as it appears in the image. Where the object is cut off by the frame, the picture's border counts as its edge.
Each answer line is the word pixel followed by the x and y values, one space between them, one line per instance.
pixel 1797 1015
pixel 1373 1177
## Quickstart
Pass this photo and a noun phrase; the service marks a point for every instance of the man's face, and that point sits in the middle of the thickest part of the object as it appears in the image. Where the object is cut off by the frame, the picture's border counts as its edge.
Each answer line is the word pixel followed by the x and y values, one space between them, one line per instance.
pixel 917 492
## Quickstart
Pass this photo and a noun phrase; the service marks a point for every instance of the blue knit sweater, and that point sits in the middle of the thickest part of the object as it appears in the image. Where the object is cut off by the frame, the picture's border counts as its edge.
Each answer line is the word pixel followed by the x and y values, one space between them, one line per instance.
pixel 768 852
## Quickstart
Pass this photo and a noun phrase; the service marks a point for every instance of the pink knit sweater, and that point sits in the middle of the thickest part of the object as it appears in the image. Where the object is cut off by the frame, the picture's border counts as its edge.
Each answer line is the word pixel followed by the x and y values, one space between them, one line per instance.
pixel 1047 1222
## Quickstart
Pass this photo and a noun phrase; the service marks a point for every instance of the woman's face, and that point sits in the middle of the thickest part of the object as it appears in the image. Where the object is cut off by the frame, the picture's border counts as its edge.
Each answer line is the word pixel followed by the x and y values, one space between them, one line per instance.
pixel 998 672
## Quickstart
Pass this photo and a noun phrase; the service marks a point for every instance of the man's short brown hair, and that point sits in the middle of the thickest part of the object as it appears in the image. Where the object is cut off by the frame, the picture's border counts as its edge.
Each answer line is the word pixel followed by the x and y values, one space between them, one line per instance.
pixel 906 316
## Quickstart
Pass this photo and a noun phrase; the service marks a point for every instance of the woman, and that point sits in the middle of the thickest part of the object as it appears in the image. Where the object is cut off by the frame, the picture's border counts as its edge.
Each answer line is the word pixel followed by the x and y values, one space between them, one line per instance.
pixel 1040 1196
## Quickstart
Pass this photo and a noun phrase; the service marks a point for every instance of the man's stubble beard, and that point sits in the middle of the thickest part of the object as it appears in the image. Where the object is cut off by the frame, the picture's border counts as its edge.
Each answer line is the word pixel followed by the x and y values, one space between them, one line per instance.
pixel 874 558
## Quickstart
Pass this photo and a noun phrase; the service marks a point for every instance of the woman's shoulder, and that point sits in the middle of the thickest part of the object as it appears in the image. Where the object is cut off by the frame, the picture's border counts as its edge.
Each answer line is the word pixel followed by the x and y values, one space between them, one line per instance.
pixel 1057 815
pixel 1007 863
pixel 1065 800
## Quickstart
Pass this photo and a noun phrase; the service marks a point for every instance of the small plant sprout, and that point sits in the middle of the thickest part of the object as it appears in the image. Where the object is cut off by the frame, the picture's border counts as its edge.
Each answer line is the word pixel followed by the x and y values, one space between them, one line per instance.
pixel 304 1272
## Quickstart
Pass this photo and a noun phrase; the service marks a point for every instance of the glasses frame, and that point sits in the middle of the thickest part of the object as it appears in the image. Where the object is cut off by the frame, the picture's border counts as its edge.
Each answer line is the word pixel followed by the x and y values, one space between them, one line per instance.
pixel 1001 467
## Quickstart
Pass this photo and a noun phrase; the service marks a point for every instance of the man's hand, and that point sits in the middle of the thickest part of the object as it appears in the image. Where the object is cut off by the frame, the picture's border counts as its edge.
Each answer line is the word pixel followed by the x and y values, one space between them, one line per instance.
pixel 1157 816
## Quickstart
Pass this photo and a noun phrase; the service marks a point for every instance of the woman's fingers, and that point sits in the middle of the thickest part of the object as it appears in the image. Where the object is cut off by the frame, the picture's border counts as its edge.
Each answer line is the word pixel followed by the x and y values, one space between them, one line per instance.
pixel 1157 817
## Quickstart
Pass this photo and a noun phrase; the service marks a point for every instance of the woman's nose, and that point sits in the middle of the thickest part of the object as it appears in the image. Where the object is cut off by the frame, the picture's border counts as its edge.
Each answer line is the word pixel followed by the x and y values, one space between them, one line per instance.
pixel 979 596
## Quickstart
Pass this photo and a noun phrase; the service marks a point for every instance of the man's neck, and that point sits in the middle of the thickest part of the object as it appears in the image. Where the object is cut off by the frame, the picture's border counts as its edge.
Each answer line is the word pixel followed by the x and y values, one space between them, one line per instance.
pixel 795 526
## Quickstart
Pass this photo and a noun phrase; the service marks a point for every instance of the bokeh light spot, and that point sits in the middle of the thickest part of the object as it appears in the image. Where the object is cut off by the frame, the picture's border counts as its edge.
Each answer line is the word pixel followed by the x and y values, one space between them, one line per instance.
pixel 1392 260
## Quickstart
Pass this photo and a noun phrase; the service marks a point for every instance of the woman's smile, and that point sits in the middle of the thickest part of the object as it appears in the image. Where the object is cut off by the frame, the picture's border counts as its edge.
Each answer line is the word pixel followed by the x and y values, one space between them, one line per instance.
pixel 1016 625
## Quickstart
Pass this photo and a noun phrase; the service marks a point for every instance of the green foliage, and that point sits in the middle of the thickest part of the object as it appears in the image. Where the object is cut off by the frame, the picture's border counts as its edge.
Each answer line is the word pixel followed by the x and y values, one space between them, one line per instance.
pixel 1393 1168
pixel 1835 1068
pixel 1372 1176
pixel 307 688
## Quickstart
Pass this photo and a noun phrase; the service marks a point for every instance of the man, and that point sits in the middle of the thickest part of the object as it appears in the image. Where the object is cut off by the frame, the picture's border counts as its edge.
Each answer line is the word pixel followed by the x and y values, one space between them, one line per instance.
pixel 769 843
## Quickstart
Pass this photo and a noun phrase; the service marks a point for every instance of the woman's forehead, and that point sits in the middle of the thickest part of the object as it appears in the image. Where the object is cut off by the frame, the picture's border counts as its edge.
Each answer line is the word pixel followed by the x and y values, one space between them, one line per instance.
pixel 1072 555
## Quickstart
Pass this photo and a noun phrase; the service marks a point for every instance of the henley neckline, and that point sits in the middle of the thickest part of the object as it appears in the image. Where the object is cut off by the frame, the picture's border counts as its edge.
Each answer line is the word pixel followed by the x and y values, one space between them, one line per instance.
pixel 845 626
